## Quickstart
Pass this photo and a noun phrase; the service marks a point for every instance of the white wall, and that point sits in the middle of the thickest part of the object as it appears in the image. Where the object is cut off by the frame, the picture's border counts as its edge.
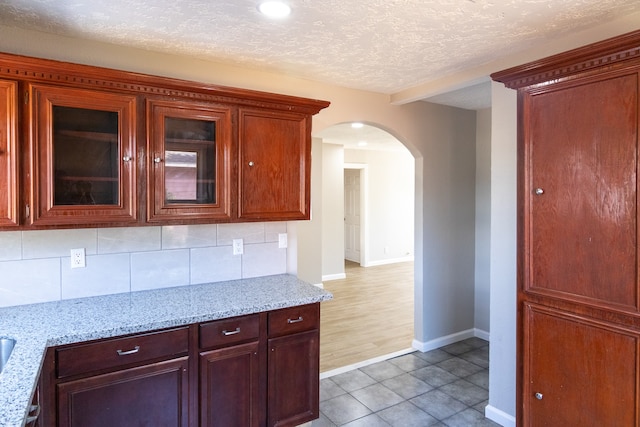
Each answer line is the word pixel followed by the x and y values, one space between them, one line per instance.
pixel 332 212
pixel 390 204
pixel 502 357
pixel 448 231
pixel 483 220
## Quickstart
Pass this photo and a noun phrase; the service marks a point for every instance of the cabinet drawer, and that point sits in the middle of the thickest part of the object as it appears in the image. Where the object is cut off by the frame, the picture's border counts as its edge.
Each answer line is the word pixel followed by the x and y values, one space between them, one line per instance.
pixel 294 319
pixel 229 331
pixel 116 352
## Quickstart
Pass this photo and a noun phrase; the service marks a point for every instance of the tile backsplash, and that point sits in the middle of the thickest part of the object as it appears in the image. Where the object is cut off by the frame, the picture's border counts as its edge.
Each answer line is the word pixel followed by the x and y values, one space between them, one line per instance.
pixel 35 265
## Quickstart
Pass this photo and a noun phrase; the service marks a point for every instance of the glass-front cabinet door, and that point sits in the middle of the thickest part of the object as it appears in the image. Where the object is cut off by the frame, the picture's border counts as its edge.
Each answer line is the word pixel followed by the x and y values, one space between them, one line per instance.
pixel 83 156
pixel 189 161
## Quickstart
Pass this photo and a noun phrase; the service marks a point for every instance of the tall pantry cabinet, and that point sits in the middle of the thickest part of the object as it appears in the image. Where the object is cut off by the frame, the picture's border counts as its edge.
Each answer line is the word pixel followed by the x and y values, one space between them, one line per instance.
pixel 578 290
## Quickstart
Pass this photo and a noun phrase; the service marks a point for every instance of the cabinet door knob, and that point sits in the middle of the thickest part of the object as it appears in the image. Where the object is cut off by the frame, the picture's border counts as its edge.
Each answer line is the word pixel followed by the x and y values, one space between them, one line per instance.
pixel 251 164
pixel 539 396
pixel 539 191
pixel 127 158
pixel 157 160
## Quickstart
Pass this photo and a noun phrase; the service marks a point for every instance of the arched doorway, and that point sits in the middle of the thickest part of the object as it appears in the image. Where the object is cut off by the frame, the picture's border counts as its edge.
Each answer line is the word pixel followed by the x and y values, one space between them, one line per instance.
pixel 369 186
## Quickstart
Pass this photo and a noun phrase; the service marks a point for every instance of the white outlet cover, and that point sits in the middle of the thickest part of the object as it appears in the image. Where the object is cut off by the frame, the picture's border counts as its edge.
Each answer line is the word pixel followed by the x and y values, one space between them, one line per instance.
pixel 78 258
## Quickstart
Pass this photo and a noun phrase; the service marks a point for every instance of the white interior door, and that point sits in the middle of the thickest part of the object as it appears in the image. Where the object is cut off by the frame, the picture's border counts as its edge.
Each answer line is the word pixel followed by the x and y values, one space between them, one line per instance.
pixel 352 215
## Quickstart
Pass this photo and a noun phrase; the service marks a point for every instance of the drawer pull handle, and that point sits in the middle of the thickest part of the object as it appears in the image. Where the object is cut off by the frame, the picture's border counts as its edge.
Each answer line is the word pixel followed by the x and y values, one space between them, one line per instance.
pixel 227 333
pixel 298 320
pixel 125 353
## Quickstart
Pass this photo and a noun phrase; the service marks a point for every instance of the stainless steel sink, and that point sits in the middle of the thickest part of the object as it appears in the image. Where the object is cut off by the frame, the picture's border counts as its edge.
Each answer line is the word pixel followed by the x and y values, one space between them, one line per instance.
pixel 6 347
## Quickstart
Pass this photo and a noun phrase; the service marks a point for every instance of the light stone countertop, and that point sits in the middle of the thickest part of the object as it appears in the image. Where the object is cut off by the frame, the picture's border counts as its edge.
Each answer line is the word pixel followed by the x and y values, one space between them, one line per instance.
pixel 38 326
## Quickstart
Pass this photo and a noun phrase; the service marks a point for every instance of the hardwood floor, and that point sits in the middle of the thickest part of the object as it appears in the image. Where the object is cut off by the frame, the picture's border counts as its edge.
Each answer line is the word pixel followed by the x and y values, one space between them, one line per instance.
pixel 371 314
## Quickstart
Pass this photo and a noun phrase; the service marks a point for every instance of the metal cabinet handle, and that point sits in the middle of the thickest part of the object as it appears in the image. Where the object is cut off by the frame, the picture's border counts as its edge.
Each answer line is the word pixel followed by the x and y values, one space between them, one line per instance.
pixel 539 191
pixel 126 158
pixel 157 159
pixel 227 333
pixel 539 396
pixel 125 353
pixel 298 320
pixel 251 164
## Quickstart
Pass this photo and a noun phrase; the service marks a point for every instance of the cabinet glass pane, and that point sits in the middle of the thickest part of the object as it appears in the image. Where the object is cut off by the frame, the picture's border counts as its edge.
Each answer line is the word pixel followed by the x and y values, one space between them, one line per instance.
pixel 190 161
pixel 85 156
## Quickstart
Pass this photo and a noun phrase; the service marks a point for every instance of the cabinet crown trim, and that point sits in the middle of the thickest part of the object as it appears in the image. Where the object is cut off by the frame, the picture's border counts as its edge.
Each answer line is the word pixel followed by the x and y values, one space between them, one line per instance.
pixel 77 75
pixel 611 53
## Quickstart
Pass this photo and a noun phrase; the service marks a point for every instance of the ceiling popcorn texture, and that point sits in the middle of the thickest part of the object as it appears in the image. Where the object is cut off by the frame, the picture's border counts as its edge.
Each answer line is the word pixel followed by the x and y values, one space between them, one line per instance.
pixel 377 45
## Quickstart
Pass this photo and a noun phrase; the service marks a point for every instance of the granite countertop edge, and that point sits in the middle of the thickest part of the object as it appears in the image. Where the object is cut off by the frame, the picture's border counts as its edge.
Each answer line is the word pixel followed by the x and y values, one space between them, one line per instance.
pixel 38 326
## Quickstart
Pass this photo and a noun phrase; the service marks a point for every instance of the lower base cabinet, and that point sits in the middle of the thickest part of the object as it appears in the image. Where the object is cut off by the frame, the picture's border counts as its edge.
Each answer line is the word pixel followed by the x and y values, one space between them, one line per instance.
pixel 249 371
pixel 229 389
pixel 154 395
pixel 293 379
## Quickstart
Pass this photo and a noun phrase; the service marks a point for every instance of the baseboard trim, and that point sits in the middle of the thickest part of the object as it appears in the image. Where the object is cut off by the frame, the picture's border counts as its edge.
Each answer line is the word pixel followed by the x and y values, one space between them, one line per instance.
pixel 368 362
pixel 338 276
pixel 500 417
pixel 388 261
pixel 442 341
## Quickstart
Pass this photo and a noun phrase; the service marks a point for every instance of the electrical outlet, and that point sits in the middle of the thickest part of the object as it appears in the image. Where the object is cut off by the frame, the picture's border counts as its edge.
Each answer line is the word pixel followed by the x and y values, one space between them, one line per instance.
pixel 282 240
pixel 238 247
pixel 77 258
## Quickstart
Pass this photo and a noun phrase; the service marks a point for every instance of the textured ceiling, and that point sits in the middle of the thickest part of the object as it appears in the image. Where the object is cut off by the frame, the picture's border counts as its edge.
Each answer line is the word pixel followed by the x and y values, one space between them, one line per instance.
pixel 377 45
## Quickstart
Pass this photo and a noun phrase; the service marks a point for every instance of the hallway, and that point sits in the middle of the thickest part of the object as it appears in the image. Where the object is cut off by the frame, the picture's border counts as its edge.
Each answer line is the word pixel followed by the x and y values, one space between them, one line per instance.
pixel 371 314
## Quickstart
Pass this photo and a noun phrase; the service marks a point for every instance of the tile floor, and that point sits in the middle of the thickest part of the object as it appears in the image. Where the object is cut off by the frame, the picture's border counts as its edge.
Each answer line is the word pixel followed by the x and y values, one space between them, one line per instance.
pixel 443 387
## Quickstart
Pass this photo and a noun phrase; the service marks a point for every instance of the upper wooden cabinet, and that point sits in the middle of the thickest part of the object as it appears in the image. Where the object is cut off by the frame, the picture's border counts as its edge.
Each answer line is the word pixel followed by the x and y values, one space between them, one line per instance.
pixel 83 156
pixel 275 158
pixel 102 147
pixel 8 154
pixel 189 157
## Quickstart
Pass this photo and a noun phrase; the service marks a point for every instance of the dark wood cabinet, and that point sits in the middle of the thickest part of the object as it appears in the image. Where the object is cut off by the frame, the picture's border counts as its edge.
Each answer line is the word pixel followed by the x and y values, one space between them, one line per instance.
pixel 190 161
pixel 103 147
pixel 126 381
pixel 294 363
pixel 83 158
pixel 153 395
pixel 254 370
pixel 274 163
pixel 9 199
pixel 578 281
pixel 229 386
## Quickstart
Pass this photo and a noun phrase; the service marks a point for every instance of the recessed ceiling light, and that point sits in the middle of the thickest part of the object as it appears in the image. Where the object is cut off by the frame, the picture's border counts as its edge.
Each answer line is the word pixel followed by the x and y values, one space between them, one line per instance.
pixel 362 144
pixel 274 9
pixel 356 125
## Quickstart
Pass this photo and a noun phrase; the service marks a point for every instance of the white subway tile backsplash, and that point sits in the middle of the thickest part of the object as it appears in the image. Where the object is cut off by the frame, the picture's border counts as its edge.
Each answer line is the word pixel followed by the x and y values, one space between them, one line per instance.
pixel 215 264
pixel 188 236
pixel 35 265
pixel 160 269
pixel 129 239
pixel 250 232
pixel 30 281
pixel 104 274
pixel 57 243
pixel 272 229
pixel 10 245
pixel 263 260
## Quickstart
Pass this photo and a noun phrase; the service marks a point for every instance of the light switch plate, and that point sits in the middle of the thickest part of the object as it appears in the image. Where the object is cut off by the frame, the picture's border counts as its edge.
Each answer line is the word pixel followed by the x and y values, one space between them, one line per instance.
pixel 282 240
pixel 238 248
